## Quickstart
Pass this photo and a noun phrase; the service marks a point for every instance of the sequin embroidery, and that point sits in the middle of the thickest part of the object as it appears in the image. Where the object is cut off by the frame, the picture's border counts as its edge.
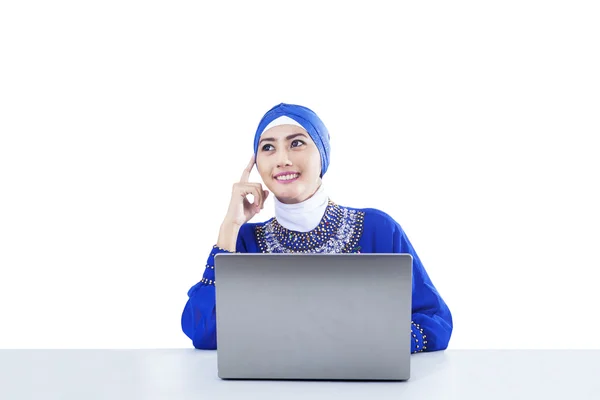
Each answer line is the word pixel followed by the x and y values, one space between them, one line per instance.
pixel 339 231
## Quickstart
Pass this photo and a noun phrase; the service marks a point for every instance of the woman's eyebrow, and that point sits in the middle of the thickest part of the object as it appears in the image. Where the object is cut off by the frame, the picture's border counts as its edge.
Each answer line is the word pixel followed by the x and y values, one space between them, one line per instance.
pixel 289 137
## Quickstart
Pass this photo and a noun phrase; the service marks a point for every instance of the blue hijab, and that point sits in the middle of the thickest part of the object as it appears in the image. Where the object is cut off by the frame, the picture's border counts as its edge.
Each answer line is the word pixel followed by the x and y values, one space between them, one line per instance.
pixel 309 121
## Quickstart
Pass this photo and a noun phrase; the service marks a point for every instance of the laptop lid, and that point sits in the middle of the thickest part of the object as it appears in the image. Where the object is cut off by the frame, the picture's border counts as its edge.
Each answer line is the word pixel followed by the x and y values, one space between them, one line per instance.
pixel 313 316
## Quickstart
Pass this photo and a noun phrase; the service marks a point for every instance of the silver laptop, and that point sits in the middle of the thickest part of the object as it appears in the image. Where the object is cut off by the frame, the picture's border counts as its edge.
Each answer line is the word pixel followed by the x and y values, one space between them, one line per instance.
pixel 313 316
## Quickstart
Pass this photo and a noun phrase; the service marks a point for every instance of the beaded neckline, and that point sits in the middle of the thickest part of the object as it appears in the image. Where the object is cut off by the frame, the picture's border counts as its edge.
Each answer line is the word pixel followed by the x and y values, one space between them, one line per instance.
pixel 339 230
pixel 327 227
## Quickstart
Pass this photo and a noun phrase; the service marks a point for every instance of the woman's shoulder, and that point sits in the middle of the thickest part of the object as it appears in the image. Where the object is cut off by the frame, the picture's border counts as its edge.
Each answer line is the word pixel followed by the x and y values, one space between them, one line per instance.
pixel 375 218
pixel 250 227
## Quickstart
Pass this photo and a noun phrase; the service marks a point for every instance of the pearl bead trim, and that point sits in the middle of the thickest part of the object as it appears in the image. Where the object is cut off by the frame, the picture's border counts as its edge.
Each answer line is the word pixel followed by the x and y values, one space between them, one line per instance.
pixel 339 231
pixel 420 346
pixel 207 281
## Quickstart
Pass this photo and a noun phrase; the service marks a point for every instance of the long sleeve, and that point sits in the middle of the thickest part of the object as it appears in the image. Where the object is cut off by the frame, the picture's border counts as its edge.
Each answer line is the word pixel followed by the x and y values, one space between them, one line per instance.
pixel 199 319
pixel 431 326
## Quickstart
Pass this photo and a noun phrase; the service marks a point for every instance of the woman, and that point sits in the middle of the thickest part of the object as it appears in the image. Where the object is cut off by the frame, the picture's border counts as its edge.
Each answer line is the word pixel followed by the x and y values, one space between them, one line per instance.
pixel 291 153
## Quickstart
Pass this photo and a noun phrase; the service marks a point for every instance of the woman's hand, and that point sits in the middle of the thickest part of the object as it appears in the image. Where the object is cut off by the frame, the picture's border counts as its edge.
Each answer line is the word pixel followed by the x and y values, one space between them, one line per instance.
pixel 240 209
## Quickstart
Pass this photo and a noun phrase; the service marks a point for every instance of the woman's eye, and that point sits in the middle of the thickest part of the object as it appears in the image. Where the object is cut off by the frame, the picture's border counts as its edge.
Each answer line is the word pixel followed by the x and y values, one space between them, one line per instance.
pixel 297 143
pixel 266 147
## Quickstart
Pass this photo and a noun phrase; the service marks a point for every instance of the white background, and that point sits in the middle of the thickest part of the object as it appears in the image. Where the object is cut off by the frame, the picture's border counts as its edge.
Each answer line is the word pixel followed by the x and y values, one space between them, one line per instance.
pixel 124 124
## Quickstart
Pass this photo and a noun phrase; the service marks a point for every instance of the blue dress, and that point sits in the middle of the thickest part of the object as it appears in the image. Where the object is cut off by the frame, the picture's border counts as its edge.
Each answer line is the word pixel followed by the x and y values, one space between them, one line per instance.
pixel 341 230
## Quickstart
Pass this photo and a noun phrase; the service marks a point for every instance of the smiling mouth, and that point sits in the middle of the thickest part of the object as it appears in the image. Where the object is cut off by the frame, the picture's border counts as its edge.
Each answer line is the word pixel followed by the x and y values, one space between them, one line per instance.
pixel 287 178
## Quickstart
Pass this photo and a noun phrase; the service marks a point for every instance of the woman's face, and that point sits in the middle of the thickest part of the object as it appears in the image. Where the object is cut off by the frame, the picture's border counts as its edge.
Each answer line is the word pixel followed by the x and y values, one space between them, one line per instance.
pixel 289 163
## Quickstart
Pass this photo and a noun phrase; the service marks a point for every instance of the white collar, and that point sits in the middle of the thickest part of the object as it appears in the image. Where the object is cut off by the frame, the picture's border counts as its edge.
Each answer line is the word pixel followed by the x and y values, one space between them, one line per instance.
pixel 304 216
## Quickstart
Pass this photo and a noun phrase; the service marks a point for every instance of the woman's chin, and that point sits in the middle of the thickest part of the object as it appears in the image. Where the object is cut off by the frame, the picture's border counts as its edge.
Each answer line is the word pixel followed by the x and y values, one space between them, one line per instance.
pixel 289 196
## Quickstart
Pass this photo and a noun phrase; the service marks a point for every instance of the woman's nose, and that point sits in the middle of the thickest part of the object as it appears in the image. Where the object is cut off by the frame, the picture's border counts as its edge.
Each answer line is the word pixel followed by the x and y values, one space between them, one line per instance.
pixel 283 159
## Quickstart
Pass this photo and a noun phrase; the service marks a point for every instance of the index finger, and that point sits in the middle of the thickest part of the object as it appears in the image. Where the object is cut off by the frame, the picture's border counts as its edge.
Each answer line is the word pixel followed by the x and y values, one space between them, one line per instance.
pixel 246 174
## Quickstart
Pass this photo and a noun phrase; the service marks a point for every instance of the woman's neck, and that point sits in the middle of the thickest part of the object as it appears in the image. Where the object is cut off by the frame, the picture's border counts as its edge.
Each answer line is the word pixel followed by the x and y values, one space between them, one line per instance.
pixel 303 216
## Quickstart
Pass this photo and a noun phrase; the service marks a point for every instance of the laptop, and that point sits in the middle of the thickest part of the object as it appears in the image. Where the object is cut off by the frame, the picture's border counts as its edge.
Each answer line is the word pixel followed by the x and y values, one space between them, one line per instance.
pixel 313 316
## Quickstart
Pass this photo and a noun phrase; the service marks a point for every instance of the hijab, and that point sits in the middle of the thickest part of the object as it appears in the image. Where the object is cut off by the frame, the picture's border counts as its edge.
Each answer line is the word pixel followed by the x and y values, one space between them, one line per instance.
pixel 304 216
pixel 300 116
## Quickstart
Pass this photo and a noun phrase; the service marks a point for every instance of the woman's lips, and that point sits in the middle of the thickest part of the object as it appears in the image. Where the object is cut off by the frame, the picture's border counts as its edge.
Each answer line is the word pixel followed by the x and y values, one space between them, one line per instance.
pixel 287 178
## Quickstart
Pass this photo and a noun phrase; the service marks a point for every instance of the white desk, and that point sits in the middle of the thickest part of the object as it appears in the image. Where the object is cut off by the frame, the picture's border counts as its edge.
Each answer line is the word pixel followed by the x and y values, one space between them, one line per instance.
pixel 192 374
